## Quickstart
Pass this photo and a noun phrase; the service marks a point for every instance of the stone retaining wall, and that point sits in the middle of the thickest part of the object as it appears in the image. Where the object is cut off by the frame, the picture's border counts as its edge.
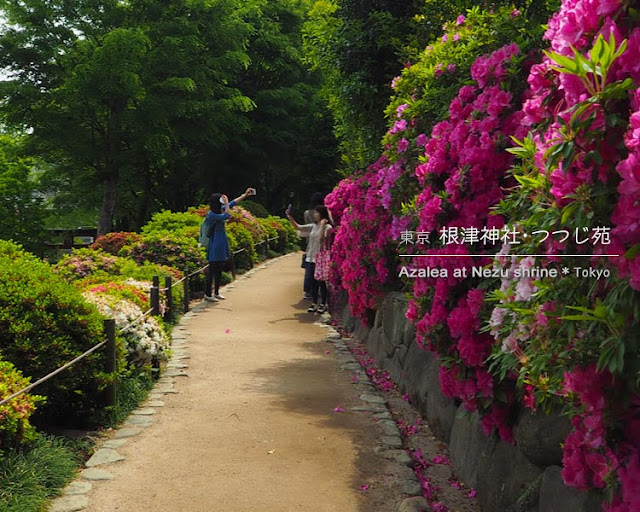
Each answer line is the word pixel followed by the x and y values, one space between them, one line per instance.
pixel 521 478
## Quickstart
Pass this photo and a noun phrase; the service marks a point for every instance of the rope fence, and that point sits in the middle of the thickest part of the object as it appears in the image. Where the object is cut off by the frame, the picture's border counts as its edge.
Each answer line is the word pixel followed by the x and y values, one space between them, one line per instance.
pixel 53 373
pixel 110 331
pixel 135 321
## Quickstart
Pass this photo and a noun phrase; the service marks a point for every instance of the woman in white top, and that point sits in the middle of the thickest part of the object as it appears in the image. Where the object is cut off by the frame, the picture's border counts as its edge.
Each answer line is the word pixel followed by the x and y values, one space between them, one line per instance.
pixel 317 199
pixel 317 231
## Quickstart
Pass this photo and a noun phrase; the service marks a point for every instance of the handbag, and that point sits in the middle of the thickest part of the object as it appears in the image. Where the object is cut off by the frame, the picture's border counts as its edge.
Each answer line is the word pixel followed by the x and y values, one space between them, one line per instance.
pixel 304 260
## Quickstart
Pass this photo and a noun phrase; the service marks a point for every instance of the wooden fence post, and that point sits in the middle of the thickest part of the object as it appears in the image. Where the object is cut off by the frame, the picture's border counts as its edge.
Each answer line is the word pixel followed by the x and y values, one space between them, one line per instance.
pixel 168 314
pixel 111 366
pixel 155 296
pixel 186 294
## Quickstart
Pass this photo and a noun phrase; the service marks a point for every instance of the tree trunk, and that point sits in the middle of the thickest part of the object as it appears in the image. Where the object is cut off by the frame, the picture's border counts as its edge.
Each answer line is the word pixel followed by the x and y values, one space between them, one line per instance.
pixel 144 201
pixel 105 223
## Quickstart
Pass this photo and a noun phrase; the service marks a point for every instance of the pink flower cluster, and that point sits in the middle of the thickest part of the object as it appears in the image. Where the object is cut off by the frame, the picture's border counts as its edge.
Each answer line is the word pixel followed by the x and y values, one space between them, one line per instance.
pixel 462 178
pixel 587 459
pixel 381 378
pixel 359 249
pixel 553 96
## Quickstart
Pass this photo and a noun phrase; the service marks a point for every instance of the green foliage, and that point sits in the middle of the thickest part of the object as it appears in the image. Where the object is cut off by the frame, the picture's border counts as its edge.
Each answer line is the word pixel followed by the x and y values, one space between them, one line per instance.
pixel 21 205
pixel 227 278
pixel 114 91
pixel 287 235
pixel 30 477
pixel 357 46
pixel 45 323
pixel 132 390
pixel 240 238
pixel 15 428
pixel 289 149
pixel 428 87
pixel 61 216
pixel 131 103
pixel 592 71
pixel 241 216
pixel 254 208
pixel 173 222
pixel 270 232
pixel 170 249
pixel 589 322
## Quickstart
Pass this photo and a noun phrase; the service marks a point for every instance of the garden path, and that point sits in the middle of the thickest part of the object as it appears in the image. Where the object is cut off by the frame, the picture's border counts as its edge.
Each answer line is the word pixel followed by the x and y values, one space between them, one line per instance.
pixel 252 427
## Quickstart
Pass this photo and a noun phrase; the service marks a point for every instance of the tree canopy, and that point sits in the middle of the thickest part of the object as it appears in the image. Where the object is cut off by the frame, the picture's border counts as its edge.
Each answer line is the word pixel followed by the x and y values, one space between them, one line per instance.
pixel 141 105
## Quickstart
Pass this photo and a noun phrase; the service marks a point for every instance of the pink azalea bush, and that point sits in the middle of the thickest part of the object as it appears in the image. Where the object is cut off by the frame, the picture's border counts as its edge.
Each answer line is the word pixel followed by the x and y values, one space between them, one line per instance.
pixel 462 177
pixel 360 250
pixel 570 340
pixel 519 341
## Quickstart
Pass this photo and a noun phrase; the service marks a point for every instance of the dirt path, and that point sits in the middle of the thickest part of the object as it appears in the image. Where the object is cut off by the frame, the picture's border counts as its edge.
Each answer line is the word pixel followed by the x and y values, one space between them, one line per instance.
pixel 253 426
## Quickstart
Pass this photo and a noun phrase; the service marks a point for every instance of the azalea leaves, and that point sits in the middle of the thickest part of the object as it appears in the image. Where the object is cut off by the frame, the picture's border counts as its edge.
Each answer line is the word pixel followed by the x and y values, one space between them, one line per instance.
pixel 593 71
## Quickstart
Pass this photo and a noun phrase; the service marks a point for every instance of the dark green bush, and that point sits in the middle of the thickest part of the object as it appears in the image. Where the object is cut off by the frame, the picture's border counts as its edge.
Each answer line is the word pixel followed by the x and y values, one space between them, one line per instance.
pixel 287 236
pixel 45 323
pixel 255 208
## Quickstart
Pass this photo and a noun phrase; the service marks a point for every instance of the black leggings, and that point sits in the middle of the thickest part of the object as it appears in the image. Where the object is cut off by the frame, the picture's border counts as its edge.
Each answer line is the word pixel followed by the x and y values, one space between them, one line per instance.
pixel 317 287
pixel 214 273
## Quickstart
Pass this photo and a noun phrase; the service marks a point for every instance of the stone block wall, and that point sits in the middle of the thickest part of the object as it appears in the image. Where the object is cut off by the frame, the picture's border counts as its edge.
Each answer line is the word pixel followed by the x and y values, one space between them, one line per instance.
pixel 521 478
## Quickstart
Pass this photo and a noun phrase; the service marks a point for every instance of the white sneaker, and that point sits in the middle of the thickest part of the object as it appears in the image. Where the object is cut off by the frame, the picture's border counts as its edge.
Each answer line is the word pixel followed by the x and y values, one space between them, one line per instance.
pixel 219 297
pixel 210 299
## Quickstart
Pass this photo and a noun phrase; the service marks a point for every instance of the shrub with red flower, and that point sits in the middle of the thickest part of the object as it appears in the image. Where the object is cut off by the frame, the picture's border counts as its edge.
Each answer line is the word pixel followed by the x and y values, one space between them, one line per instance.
pixel 114 242
pixel 569 341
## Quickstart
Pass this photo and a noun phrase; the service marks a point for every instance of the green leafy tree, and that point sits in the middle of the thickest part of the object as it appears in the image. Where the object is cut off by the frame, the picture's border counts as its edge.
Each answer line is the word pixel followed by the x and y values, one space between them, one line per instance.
pixel 358 46
pixel 118 94
pixel 289 150
pixel 21 203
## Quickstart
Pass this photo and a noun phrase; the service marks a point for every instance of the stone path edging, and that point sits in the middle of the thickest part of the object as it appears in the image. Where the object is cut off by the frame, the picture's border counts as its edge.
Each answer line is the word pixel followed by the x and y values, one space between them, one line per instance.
pixel 74 495
pixel 391 439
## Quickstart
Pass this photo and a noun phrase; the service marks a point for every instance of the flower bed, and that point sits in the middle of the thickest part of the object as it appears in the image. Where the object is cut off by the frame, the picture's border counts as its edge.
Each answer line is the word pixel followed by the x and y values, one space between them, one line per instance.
pixel 146 341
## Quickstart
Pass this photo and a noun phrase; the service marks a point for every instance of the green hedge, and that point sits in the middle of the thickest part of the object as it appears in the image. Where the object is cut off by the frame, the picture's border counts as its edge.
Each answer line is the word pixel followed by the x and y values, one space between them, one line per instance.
pixel 172 222
pixel 45 323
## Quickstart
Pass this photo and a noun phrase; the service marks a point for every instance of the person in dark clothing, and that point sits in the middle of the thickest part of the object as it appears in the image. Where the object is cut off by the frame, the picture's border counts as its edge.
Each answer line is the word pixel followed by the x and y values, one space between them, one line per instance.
pixel 218 251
